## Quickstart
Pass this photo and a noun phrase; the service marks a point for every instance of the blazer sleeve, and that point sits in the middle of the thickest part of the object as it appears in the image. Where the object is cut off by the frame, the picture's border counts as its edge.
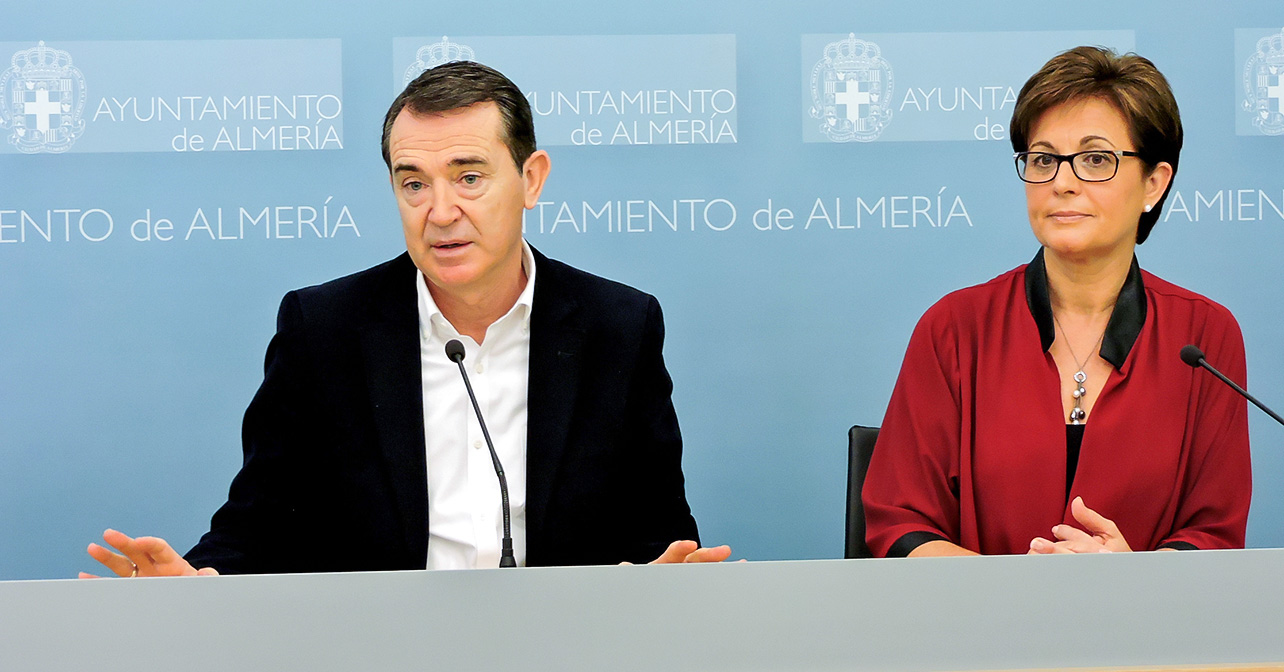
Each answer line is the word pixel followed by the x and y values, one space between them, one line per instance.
pixel 658 511
pixel 247 533
pixel 1217 484
pixel 911 489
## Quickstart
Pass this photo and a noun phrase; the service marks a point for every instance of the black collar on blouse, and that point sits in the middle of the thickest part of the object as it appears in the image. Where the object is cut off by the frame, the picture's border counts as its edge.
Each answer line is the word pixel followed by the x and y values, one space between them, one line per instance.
pixel 1125 322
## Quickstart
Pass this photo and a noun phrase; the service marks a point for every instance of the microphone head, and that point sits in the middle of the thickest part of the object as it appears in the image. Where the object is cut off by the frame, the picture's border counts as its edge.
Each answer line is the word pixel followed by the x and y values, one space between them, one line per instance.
pixel 455 350
pixel 1191 354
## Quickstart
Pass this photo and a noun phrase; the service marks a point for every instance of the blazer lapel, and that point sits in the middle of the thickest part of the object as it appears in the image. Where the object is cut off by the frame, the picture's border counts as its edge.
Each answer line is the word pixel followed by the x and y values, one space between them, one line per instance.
pixel 557 334
pixel 390 352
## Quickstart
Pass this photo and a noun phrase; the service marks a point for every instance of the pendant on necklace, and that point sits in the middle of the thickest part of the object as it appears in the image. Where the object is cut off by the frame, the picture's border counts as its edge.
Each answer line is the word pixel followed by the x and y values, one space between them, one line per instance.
pixel 1077 413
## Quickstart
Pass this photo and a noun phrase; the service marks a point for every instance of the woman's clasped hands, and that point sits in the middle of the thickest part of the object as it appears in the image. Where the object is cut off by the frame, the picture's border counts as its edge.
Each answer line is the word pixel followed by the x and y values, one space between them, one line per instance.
pixel 1099 534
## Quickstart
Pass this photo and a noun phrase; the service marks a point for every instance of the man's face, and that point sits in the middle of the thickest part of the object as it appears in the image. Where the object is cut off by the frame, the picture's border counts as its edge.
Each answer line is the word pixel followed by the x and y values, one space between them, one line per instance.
pixel 461 197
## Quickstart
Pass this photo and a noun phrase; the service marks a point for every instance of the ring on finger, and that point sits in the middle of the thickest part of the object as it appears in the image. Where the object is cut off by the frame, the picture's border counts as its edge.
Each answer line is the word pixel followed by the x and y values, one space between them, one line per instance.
pixel 133 572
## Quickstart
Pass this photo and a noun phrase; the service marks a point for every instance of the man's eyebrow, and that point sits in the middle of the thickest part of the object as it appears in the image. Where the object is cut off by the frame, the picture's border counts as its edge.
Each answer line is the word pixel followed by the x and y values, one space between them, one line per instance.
pixel 468 161
pixel 463 161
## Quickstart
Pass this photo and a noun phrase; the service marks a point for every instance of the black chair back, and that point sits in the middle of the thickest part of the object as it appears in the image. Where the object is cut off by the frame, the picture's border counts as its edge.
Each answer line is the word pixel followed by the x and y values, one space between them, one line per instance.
pixel 860 447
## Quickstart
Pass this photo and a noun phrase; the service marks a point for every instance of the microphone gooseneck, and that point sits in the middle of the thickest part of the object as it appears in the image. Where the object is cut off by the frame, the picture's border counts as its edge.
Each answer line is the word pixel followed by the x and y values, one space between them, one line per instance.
pixel 455 351
pixel 1193 356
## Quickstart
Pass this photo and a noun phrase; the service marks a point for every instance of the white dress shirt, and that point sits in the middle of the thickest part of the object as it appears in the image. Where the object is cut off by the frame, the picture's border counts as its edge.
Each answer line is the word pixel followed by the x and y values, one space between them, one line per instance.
pixel 465 522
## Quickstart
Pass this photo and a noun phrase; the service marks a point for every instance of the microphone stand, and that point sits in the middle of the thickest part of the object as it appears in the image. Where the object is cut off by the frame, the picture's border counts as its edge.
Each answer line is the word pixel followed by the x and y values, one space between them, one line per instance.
pixel 455 351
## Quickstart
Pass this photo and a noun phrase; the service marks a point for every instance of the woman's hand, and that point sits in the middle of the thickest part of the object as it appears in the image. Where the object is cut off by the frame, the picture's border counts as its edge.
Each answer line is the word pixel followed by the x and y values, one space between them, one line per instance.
pixel 1102 535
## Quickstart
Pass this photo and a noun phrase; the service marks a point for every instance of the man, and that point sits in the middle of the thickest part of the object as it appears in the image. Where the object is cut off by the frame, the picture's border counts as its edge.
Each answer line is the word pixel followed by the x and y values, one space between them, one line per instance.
pixel 361 448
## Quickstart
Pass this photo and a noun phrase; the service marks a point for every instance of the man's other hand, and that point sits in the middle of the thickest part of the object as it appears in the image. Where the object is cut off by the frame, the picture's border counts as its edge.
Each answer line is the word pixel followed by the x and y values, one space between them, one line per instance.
pixel 144 556
pixel 690 551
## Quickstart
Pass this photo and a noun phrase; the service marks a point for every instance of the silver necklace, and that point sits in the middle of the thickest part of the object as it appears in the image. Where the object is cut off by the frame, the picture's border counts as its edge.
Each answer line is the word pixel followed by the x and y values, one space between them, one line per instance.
pixel 1077 414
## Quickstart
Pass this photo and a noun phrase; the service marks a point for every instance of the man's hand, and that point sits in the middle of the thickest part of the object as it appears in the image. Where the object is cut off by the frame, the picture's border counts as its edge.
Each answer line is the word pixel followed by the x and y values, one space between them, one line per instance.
pixel 151 556
pixel 690 551
pixel 1102 535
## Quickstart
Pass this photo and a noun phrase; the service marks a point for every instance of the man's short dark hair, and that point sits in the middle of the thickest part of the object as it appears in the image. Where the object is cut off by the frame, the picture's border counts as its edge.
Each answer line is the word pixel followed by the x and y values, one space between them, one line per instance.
pixel 460 84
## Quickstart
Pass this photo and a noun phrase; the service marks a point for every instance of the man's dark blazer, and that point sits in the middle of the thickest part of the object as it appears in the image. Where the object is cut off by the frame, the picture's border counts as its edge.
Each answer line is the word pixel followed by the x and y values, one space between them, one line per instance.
pixel 334 475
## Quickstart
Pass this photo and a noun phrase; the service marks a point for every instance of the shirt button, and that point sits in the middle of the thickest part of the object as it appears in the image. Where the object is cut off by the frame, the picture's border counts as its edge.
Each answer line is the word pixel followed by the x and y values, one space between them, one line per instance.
pixel 479 368
pixel 477 444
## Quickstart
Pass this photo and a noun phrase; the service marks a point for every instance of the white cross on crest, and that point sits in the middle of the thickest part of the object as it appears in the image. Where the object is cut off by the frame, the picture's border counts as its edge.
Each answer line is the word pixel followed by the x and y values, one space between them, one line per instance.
pixel 1276 92
pixel 852 99
pixel 42 109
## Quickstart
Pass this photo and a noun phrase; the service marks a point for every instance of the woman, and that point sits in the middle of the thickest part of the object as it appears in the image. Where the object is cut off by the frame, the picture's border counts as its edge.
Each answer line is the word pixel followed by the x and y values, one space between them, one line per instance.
pixel 1047 410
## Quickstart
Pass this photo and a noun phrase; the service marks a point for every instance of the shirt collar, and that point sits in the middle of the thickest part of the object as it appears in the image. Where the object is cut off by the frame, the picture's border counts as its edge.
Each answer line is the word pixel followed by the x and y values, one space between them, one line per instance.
pixel 1125 322
pixel 431 319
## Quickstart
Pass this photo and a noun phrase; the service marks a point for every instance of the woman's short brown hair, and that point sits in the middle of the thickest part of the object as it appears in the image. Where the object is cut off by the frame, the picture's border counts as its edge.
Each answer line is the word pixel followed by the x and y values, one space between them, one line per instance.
pixel 1130 83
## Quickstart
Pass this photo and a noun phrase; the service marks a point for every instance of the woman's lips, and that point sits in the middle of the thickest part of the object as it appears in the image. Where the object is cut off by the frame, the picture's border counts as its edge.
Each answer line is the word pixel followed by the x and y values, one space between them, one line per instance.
pixel 1068 216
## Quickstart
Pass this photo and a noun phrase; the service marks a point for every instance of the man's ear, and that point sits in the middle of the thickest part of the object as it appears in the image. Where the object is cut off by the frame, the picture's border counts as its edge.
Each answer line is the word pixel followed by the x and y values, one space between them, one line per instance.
pixel 534 173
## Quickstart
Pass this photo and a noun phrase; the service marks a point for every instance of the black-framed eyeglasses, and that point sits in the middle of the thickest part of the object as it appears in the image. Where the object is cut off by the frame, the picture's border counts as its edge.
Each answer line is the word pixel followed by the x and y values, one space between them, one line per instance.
pixel 1094 165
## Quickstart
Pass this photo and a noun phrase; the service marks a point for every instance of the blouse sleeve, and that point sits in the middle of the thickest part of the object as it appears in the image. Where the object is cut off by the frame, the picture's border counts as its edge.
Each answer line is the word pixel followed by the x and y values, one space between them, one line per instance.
pixel 1217 484
pixel 911 490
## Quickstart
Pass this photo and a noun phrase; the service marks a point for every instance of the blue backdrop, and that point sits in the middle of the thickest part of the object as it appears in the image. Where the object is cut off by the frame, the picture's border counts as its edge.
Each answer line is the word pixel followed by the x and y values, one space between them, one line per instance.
pixel 796 183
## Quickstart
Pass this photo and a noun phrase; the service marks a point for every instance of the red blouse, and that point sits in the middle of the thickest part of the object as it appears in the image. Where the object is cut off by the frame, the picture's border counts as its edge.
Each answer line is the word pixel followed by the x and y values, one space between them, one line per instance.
pixel 973 446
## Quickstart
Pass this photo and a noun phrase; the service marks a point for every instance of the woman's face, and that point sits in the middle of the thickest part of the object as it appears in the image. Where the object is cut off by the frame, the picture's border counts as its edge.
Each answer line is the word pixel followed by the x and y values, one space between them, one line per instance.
pixel 1088 220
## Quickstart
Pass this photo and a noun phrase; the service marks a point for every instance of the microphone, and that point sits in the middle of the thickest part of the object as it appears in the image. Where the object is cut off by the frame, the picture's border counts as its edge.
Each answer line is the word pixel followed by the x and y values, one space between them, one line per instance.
pixel 455 351
pixel 1194 357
